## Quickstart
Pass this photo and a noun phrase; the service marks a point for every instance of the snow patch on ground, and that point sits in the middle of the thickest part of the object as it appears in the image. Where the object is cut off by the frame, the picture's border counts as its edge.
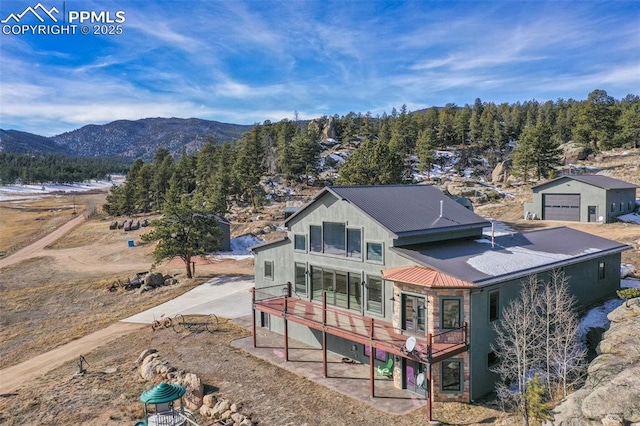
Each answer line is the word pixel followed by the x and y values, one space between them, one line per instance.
pixel 626 269
pixel 240 247
pixel 597 317
pixel 630 283
pixel 630 218
pixel 20 192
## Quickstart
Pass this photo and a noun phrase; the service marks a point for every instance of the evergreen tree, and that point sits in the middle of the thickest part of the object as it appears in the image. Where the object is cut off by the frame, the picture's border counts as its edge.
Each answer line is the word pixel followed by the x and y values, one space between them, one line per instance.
pixel 629 121
pixel 248 168
pixel 596 121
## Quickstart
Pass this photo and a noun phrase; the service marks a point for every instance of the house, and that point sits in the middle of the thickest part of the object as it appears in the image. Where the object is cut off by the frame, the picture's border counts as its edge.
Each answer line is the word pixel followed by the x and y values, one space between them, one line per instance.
pixel 403 276
pixel 582 198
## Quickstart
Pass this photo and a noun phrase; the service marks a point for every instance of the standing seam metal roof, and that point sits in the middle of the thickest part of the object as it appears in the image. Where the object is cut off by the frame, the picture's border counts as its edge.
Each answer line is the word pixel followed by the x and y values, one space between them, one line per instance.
pixel 604 182
pixel 406 209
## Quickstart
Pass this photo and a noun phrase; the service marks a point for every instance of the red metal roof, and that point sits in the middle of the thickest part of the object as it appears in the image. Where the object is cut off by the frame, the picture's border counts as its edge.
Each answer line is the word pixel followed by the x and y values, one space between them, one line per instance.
pixel 427 277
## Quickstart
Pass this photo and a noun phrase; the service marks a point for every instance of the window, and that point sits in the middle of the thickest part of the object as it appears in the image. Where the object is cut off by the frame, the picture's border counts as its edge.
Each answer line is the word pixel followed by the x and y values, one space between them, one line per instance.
pixel 374 252
pixel 316 283
pixel 268 269
pixel 333 238
pixel 613 207
pixel 355 283
pixel 450 313
pixel 315 238
pixel 301 278
pixel 494 306
pixel 300 242
pixel 492 359
pixel 354 243
pixel 452 376
pixel 601 269
pixel 629 205
pixel 374 294
pixel 621 206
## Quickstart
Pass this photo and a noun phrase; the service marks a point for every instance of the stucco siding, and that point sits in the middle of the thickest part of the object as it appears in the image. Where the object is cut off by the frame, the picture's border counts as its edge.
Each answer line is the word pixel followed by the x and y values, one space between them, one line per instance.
pixel 600 200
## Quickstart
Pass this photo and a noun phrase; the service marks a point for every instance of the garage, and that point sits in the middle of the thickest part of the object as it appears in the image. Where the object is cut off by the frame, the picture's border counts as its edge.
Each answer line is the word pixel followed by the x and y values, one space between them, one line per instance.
pixel 561 207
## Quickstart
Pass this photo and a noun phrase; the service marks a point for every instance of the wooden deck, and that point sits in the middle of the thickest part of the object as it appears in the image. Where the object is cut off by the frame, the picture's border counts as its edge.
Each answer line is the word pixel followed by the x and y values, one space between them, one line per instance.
pixel 364 330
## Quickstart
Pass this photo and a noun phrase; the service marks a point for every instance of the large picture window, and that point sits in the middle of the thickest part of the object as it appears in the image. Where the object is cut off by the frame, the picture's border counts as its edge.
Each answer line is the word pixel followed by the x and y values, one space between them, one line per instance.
pixel 354 243
pixel 374 252
pixel 316 283
pixel 301 278
pixel 450 313
pixel 451 376
pixel 374 294
pixel 315 238
pixel 334 238
pixel 355 297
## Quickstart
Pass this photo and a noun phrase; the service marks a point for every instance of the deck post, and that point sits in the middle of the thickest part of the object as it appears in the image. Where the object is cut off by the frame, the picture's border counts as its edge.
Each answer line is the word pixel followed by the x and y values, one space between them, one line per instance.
pixel 253 311
pixel 324 335
pixel 430 396
pixel 286 331
pixel 372 377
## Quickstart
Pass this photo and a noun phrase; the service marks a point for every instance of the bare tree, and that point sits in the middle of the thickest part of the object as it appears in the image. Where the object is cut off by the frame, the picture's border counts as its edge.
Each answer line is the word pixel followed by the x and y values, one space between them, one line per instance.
pixel 518 347
pixel 537 337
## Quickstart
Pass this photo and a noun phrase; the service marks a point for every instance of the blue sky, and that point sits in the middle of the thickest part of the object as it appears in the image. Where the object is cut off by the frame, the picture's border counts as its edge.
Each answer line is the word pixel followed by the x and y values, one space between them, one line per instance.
pixel 246 62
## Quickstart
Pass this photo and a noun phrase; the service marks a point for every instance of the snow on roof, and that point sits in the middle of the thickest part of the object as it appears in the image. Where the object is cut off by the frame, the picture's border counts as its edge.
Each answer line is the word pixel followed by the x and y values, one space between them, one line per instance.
pixel 515 259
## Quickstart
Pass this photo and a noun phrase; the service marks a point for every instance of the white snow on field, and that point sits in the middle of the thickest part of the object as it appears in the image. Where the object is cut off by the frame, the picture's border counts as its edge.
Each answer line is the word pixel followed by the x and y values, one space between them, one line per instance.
pixel 630 218
pixel 21 192
pixel 514 259
pixel 240 247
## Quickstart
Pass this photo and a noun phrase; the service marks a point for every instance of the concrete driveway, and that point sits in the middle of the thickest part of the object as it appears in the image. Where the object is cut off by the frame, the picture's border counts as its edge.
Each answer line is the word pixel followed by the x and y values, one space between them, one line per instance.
pixel 227 297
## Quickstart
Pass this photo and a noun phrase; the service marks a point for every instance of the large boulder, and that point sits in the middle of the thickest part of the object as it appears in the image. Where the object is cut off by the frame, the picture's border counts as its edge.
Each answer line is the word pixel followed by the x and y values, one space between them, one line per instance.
pixel 154 279
pixel 150 365
pixel 611 394
pixel 501 172
pixel 574 152
pixel 195 391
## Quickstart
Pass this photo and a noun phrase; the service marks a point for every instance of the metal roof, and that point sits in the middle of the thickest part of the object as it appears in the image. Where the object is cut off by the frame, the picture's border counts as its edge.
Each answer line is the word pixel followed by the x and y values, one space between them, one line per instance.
pixel 426 277
pixel 161 393
pixel 405 210
pixel 604 182
pixel 511 256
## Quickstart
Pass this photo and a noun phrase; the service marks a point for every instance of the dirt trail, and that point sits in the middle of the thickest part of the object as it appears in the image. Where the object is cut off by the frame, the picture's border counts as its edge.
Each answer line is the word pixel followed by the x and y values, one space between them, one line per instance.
pixel 13 377
pixel 32 250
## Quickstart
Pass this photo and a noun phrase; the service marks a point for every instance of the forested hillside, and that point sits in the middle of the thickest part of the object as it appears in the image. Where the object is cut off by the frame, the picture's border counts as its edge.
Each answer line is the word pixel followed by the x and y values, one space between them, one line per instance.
pixel 41 168
pixel 380 150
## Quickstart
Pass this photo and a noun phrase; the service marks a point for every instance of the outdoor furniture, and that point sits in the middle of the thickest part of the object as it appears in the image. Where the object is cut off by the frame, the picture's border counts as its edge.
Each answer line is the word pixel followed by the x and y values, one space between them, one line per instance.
pixel 386 369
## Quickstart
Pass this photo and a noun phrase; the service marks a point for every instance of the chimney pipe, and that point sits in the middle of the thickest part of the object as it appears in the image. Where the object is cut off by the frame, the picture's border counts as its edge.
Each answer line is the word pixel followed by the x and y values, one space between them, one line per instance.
pixel 493 234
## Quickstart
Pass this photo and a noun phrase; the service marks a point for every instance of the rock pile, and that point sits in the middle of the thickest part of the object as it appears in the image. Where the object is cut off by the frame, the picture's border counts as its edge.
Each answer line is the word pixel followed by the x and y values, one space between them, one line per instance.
pixel 611 395
pixel 209 406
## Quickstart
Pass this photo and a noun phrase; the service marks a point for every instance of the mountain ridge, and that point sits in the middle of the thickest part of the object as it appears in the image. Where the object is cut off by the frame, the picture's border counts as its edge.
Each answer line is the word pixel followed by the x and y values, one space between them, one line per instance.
pixel 125 138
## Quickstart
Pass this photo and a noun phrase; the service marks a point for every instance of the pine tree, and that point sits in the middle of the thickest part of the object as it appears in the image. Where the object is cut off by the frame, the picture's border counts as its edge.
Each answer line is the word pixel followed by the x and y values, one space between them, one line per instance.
pixel 249 169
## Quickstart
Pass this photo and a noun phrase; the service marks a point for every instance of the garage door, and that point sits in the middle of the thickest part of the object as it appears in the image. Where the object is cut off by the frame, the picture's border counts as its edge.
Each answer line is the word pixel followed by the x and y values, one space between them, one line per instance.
pixel 561 207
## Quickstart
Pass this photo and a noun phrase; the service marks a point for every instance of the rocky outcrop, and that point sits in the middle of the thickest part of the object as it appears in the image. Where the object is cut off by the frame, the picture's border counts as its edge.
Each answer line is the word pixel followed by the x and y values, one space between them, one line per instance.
pixel 501 171
pixel 611 395
pixel 208 406
pixel 574 152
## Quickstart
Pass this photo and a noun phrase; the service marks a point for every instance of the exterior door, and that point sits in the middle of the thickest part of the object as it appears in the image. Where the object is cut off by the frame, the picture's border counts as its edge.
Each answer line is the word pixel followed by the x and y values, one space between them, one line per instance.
pixel 411 371
pixel 592 214
pixel 413 314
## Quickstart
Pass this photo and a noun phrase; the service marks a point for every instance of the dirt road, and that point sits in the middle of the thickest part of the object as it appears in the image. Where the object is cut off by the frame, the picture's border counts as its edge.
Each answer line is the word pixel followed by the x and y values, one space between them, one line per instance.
pixel 33 250
pixel 14 377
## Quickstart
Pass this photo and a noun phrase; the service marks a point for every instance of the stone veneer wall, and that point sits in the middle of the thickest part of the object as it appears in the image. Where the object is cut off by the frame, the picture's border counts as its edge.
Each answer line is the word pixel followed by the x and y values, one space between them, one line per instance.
pixel 433 297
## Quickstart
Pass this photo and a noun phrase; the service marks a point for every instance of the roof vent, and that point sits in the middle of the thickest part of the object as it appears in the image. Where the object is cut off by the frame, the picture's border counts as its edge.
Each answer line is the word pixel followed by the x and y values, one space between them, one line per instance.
pixel 441 202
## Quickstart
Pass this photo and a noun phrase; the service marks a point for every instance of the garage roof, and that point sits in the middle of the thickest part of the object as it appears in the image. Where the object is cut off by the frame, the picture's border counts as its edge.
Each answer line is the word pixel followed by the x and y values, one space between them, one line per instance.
pixel 604 182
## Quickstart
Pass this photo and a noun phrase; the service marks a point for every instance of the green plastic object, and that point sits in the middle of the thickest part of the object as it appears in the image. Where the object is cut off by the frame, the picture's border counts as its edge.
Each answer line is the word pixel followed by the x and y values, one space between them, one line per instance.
pixel 161 393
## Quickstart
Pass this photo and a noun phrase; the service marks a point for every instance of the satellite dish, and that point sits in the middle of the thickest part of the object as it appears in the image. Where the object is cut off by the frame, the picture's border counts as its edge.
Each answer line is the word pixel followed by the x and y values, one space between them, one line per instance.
pixel 410 344
pixel 420 380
